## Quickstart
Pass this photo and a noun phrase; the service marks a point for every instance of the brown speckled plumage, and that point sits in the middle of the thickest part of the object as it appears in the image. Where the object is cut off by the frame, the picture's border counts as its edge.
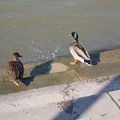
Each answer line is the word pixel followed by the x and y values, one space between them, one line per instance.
pixel 15 69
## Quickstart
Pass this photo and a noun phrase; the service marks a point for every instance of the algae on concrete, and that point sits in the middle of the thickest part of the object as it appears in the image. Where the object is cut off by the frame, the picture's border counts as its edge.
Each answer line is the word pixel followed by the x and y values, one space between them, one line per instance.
pixel 38 74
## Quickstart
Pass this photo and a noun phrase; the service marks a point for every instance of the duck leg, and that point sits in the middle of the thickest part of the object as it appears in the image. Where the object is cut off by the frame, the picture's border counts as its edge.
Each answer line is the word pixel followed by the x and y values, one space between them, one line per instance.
pixel 16 82
pixel 73 62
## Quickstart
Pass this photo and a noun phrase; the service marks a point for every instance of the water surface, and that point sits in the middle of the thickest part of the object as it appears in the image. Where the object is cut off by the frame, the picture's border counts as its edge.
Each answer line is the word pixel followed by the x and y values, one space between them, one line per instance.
pixel 38 28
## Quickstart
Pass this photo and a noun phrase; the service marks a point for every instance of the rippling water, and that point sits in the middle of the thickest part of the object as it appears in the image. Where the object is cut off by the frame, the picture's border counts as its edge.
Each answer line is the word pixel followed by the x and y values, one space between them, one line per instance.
pixel 38 28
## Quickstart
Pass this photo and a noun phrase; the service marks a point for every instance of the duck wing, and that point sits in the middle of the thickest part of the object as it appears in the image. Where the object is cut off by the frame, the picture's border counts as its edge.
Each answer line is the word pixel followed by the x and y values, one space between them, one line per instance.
pixel 15 70
pixel 81 52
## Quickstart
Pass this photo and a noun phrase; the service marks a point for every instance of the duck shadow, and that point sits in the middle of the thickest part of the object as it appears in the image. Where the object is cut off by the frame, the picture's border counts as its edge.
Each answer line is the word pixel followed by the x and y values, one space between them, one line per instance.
pixel 95 57
pixel 46 67
pixel 38 70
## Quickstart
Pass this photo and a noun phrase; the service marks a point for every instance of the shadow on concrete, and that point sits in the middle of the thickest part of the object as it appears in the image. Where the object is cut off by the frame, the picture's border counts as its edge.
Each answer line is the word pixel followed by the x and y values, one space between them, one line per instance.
pixel 38 70
pixel 95 57
pixel 74 109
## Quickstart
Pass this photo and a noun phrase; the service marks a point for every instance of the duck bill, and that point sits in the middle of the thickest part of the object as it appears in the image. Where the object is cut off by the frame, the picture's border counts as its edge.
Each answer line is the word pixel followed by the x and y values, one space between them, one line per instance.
pixel 69 34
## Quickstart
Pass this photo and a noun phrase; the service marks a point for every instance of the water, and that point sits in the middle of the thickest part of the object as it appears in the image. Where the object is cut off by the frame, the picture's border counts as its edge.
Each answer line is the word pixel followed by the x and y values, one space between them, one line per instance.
pixel 38 28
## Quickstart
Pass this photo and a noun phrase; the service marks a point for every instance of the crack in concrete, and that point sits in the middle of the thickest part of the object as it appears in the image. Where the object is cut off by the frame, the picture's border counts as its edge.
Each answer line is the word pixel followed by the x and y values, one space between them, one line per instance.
pixel 76 74
pixel 114 101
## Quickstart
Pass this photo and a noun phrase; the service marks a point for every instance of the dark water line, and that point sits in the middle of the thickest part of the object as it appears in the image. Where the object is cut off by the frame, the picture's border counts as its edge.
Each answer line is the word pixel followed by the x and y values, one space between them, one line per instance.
pixel 69 55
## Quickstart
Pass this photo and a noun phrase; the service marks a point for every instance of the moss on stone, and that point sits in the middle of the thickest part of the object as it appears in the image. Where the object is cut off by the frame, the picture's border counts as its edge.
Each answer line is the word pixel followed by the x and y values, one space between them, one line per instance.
pixel 36 76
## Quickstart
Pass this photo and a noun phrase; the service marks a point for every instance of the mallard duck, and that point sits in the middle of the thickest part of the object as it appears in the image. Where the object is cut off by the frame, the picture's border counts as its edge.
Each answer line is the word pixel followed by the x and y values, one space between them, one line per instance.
pixel 78 51
pixel 15 69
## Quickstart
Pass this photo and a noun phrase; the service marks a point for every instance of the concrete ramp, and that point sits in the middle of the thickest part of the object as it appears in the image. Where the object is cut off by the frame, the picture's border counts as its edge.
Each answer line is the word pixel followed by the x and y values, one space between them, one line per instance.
pixel 81 100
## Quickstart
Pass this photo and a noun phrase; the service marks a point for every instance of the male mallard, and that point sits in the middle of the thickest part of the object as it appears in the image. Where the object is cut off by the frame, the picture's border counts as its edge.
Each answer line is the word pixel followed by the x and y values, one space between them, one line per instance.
pixel 15 69
pixel 78 51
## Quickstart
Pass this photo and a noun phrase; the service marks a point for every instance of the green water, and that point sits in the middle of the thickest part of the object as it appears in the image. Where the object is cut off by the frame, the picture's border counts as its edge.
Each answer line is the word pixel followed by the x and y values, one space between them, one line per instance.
pixel 38 28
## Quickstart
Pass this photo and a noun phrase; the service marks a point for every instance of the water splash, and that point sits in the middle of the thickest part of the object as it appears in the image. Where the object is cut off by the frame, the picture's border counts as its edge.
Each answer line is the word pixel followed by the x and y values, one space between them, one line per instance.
pixel 43 53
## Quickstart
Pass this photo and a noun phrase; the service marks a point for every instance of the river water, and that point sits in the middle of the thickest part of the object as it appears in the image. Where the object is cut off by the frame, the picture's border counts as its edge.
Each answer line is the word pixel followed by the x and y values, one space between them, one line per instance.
pixel 38 28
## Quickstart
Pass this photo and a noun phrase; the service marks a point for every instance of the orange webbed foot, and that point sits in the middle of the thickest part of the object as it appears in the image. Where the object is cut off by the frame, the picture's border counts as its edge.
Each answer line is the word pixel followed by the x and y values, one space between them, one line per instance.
pixel 73 62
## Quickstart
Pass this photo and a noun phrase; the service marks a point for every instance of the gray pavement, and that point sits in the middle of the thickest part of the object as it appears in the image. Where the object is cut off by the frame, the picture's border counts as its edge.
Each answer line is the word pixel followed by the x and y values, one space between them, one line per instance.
pixel 82 100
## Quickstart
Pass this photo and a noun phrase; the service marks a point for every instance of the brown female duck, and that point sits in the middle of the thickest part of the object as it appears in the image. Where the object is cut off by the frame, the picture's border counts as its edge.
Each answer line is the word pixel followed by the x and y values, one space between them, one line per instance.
pixel 15 69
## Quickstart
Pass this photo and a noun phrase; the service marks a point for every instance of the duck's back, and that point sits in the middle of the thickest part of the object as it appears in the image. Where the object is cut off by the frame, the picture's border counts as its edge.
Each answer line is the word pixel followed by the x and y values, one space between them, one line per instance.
pixel 15 70
pixel 81 50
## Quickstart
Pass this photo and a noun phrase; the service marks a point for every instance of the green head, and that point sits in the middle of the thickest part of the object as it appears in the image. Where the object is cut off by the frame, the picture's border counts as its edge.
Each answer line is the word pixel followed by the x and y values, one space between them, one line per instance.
pixel 75 36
